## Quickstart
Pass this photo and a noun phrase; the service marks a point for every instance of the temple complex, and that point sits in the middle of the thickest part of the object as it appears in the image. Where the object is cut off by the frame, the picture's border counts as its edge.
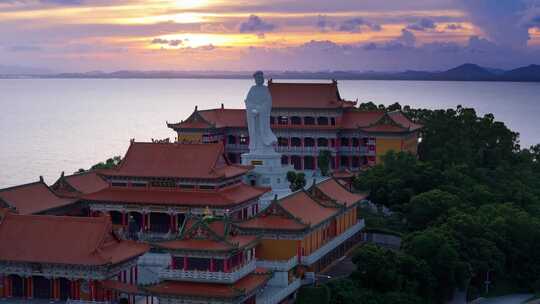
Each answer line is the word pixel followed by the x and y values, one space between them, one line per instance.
pixel 186 222
pixel 308 118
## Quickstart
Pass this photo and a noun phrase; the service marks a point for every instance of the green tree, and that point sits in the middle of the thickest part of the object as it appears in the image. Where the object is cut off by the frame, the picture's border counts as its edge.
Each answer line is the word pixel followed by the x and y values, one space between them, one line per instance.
pixel 323 162
pixel 297 180
pixel 426 208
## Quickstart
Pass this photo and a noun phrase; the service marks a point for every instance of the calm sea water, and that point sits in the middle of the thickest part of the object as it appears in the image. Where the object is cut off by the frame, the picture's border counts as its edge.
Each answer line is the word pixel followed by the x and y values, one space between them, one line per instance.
pixel 49 126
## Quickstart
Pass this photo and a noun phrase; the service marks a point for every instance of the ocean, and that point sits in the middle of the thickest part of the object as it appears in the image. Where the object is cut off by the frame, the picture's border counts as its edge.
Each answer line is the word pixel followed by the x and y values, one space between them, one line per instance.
pixel 52 125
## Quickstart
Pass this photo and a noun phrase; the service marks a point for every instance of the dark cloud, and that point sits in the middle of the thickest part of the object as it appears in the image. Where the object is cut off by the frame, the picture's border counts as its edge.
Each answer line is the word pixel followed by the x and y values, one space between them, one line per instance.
pixel 255 24
pixel 501 20
pixel 422 25
pixel 323 24
pixel 174 42
pixel 454 26
pixel 355 25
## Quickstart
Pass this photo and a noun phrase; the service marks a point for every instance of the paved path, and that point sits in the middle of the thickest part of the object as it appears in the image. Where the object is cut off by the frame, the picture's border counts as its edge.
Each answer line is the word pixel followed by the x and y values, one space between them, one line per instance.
pixel 511 299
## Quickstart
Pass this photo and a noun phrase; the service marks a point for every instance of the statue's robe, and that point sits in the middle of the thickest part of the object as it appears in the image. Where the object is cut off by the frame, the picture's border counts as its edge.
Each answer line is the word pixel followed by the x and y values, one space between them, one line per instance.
pixel 258 109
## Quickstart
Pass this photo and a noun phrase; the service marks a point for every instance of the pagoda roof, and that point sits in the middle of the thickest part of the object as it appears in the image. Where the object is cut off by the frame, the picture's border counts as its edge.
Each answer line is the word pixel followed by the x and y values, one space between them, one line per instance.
pixel 367 121
pixel 221 198
pixel 335 191
pixel 245 286
pixel 176 160
pixel 64 240
pixel 297 211
pixel 306 95
pixel 208 234
pixel 32 198
pixel 79 183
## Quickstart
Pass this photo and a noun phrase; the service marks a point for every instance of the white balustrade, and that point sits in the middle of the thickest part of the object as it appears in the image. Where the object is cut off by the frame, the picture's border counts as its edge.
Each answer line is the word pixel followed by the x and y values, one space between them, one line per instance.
pixel 282 265
pixel 207 276
pixel 334 243
pixel 69 301
pixel 272 297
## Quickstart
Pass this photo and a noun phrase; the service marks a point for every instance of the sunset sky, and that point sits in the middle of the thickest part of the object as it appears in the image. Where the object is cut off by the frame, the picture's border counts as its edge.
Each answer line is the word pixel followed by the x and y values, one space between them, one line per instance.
pixel 383 35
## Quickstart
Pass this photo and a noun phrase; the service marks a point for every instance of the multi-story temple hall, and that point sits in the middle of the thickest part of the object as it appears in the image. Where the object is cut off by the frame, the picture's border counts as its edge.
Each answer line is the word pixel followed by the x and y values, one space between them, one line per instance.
pixel 308 118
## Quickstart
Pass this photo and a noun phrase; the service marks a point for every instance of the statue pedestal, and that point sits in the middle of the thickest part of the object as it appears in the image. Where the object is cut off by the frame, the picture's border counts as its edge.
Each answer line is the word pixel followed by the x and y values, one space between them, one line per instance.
pixel 268 172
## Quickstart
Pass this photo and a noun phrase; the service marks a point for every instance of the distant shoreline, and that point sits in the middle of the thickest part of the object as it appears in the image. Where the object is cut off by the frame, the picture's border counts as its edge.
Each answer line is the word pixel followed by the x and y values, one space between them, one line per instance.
pixel 465 72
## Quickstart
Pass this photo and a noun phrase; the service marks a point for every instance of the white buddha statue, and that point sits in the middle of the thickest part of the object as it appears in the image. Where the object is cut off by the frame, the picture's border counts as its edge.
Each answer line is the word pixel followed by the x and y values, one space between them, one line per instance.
pixel 258 109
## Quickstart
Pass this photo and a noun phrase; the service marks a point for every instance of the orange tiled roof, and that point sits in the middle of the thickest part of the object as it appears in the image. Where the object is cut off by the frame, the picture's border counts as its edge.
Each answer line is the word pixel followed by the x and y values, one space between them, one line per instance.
pixel 272 222
pixel 306 95
pixel 176 160
pixel 242 287
pixel 79 183
pixel 226 197
pixel 32 198
pixel 230 243
pixel 334 190
pixel 64 240
pixel 357 119
pixel 212 234
pixel 302 206
pixel 402 120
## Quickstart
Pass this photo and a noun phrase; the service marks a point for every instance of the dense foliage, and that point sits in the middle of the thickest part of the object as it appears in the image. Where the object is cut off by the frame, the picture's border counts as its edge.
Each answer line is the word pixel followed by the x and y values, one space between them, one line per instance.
pixel 469 205
pixel 297 180
pixel 108 164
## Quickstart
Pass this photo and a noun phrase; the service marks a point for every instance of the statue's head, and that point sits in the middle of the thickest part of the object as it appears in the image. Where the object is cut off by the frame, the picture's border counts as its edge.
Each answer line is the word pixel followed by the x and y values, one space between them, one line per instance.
pixel 259 77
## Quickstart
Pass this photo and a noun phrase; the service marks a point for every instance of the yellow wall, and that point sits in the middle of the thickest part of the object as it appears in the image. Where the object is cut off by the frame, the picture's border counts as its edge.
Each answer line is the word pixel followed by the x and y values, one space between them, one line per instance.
pixel 276 249
pixel 411 144
pixel 386 144
pixel 196 137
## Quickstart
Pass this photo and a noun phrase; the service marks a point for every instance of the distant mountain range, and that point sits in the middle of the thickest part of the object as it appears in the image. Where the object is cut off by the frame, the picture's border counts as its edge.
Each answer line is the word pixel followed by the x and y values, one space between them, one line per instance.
pixel 465 72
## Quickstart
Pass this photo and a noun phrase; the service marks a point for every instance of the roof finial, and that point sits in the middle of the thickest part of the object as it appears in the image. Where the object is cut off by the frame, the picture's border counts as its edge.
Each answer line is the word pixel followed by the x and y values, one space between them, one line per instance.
pixel 222 106
pixel 196 108
pixel 270 80
pixel 334 81
pixel 41 178
pixel 62 174
pixel 275 197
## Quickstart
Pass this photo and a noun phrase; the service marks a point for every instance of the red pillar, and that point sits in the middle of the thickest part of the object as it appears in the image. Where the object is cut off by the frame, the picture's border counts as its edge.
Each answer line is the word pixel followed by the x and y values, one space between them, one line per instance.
pixel 124 219
pixel 131 275
pixel 29 287
pixel 171 223
pixel 212 264
pixel 143 225
pixel 299 250
pixel 148 223
pixel 136 271
pixel 185 263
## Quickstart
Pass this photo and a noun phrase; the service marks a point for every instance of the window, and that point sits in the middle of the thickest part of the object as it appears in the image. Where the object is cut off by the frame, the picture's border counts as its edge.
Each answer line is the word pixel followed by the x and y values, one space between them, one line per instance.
pixel 355 142
pixel 119 184
pixel 232 158
pixel 207 187
pixel 296 142
pixel 296 120
pixel 309 142
pixel 186 186
pixel 284 160
pixel 308 120
pixel 272 120
pixel 322 142
pixel 332 121
pixel 323 121
pixel 283 120
pixel 139 185
pixel 231 140
pixel 344 141
pixel 283 142
pixel 309 162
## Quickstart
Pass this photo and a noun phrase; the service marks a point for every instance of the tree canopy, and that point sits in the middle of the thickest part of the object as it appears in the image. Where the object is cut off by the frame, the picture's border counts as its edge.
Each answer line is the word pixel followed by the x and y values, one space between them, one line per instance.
pixel 469 204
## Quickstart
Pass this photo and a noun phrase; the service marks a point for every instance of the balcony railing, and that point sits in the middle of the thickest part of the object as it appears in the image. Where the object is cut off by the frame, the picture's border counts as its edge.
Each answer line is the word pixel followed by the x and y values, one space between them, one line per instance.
pixel 69 301
pixel 326 248
pixel 207 276
pixel 277 297
pixel 236 147
pixel 281 265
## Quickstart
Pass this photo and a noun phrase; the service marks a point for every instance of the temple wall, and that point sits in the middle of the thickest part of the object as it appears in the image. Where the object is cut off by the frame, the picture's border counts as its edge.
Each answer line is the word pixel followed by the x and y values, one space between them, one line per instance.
pixel 386 144
pixel 190 137
pixel 410 144
pixel 276 249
